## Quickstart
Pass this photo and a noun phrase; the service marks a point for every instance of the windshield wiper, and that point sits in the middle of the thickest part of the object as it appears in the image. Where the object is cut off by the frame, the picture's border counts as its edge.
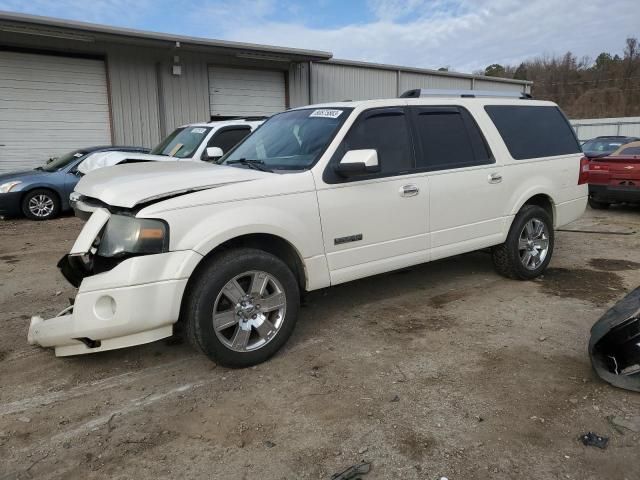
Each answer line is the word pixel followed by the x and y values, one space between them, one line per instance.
pixel 255 164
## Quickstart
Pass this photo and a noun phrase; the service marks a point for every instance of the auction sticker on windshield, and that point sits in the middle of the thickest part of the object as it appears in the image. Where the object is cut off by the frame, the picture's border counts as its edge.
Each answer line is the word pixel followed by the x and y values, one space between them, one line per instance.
pixel 198 130
pixel 325 113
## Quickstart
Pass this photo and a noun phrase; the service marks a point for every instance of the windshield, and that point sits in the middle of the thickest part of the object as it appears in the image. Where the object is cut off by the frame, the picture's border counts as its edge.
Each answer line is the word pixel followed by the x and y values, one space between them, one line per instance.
pixel 291 140
pixel 59 163
pixel 604 146
pixel 182 142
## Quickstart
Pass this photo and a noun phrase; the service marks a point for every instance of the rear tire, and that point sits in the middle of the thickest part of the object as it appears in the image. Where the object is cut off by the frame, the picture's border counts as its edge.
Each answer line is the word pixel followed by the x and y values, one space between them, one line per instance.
pixel 41 204
pixel 529 246
pixel 252 297
pixel 597 205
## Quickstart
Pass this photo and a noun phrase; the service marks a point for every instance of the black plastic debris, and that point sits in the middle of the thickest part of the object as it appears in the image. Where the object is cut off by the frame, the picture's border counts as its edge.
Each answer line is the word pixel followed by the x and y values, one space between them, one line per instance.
pixel 614 347
pixel 591 439
pixel 353 472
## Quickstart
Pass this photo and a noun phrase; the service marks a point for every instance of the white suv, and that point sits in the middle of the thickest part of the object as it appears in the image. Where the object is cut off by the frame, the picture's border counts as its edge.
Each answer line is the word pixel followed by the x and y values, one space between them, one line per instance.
pixel 315 197
pixel 205 142
pixel 196 141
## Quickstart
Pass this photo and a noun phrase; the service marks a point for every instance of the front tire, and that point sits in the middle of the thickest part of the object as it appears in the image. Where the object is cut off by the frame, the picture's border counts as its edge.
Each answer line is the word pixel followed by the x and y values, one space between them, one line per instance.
pixel 529 245
pixel 41 204
pixel 242 307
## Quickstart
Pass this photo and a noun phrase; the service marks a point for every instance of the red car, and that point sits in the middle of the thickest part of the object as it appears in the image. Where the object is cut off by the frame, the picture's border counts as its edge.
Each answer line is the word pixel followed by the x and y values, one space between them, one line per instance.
pixel 614 179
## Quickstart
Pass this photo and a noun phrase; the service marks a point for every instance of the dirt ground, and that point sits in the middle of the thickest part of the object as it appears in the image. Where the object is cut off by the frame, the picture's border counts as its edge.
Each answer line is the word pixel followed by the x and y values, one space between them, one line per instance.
pixel 446 369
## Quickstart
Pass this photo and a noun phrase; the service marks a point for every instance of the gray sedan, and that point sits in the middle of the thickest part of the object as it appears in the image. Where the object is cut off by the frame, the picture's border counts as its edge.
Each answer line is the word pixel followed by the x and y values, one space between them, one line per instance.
pixel 42 193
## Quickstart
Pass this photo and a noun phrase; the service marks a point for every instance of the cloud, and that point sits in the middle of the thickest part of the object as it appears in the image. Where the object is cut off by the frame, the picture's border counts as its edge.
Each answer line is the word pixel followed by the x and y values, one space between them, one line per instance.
pixel 121 12
pixel 466 35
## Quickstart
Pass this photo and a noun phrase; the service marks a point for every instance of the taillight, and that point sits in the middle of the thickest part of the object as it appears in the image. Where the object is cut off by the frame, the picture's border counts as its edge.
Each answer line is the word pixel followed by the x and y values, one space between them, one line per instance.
pixel 583 177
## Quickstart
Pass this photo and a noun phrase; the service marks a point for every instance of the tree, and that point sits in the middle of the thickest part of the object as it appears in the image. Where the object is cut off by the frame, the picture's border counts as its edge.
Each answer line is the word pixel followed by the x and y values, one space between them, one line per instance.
pixel 603 61
pixel 609 86
pixel 521 72
pixel 494 70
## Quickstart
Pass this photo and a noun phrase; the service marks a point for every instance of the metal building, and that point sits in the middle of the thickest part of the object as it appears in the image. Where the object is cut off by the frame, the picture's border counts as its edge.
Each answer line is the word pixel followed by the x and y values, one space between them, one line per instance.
pixel 66 84
pixel 588 128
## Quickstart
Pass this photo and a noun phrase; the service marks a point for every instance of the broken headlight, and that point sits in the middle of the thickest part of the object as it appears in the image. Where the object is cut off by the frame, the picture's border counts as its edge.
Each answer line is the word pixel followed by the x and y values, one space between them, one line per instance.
pixel 125 235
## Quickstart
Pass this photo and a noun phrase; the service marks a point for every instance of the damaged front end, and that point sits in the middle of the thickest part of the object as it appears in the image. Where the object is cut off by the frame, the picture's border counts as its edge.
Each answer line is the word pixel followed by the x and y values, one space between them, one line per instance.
pixel 614 347
pixel 129 286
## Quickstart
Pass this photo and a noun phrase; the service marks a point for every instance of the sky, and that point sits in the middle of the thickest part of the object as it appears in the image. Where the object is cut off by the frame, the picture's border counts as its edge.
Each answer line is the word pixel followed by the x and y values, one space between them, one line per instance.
pixel 463 35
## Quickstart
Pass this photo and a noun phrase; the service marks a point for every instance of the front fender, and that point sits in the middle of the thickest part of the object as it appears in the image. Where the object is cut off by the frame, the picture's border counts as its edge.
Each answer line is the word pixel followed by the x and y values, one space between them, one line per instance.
pixel 58 189
pixel 294 218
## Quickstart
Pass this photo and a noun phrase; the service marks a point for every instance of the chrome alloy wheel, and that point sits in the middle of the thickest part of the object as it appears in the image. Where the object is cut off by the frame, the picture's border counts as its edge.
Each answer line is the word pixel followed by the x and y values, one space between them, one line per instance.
pixel 533 244
pixel 249 311
pixel 41 205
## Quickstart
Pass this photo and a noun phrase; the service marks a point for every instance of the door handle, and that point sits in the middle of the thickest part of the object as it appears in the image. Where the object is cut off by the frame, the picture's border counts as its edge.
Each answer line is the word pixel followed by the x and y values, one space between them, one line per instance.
pixel 495 178
pixel 409 190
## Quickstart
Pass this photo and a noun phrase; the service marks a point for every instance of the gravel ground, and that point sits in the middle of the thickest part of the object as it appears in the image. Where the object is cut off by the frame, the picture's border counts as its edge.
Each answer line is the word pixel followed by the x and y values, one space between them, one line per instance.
pixel 445 369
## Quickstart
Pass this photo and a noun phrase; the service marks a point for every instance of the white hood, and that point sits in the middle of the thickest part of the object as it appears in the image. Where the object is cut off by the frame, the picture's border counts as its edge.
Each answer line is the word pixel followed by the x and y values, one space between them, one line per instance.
pixel 109 159
pixel 131 184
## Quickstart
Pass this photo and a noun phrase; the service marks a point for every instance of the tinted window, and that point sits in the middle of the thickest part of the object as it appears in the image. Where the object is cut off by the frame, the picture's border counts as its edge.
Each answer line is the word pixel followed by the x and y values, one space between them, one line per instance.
pixel 291 140
pixel 630 151
pixel 531 132
pixel 386 131
pixel 449 138
pixel 227 139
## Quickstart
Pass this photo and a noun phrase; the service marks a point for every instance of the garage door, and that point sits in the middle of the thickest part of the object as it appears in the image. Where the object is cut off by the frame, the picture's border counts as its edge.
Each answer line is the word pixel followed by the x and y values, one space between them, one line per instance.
pixel 50 105
pixel 245 92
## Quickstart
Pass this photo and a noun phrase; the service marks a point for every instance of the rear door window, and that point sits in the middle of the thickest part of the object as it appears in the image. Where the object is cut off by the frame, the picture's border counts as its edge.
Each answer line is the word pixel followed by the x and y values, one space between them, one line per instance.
pixel 534 131
pixel 228 138
pixel 448 137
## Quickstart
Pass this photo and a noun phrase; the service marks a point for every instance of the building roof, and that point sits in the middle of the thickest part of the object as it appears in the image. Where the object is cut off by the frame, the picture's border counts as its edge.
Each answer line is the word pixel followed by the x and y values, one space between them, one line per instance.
pixel 381 66
pixel 91 32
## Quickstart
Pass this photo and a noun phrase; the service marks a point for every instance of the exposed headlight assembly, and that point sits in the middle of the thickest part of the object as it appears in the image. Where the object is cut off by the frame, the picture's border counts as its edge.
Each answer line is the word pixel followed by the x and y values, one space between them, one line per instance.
pixel 125 235
pixel 7 187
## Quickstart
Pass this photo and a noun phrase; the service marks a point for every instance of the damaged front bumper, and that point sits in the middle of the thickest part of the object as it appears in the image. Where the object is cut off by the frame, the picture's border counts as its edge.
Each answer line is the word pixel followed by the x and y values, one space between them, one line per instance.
pixel 136 301
pixel 614 346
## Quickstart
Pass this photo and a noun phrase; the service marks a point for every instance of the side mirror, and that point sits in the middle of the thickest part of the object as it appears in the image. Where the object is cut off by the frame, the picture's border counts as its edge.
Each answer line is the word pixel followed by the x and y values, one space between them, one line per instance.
pixel 358 162
pixel 212 153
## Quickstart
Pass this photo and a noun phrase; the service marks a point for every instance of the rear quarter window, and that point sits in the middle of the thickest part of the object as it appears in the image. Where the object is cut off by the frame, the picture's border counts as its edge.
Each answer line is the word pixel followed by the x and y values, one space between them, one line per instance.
pixel 533 131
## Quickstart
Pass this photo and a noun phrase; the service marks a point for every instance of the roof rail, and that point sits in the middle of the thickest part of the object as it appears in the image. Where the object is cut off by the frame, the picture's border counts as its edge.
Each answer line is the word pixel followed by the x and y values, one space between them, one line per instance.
pixel 436 92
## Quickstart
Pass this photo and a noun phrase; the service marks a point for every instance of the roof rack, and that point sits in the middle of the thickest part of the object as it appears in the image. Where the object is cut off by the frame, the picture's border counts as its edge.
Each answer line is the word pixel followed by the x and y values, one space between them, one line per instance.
pixel 436 92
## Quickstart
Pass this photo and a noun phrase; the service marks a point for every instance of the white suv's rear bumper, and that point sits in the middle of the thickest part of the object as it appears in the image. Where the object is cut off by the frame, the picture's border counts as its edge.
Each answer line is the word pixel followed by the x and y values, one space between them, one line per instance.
pixel 121 307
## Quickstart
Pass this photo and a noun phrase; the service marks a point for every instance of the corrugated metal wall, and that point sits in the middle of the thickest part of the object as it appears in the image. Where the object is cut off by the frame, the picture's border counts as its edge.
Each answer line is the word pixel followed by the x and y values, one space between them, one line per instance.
pixel 134 96
pixel 340 80
pixel 330 83
pixel 411 80
pixel 497 86
pixel 299 85
pixel 185 98
pixel 588 128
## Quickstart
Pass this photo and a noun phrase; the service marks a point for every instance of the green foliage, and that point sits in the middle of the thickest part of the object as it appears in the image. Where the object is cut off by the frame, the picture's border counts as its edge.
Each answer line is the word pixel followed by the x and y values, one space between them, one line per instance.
pixel 495 70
